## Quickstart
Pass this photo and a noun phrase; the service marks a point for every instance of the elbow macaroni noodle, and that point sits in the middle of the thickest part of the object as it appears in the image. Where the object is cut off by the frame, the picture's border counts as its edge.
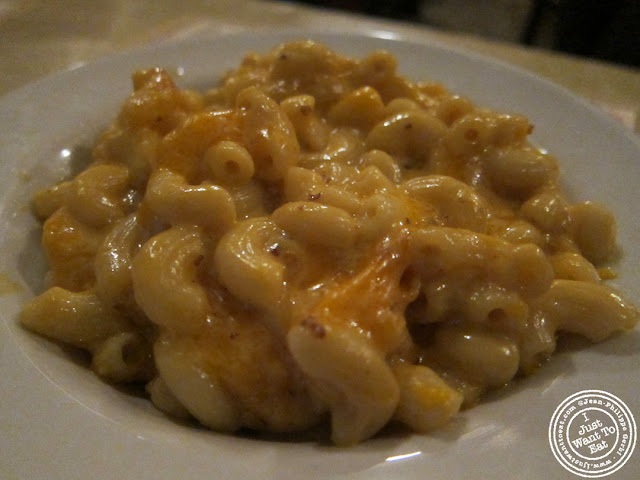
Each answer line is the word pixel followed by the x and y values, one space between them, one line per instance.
pixel 319 237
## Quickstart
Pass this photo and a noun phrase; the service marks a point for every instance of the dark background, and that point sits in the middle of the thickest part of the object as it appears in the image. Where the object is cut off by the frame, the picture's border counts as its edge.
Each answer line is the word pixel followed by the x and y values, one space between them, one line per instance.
pixel 607 30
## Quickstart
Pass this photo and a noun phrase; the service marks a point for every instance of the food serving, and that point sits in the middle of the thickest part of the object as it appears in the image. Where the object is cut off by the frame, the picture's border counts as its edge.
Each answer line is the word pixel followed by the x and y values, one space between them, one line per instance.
pixel 319 237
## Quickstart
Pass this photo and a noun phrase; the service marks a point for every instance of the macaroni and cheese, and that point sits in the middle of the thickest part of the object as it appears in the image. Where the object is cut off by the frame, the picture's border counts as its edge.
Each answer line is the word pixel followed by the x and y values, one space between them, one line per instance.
pixel 319 238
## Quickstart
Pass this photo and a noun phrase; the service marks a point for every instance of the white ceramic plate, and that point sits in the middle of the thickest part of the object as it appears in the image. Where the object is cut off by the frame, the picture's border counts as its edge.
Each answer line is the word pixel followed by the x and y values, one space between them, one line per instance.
pixel 57 421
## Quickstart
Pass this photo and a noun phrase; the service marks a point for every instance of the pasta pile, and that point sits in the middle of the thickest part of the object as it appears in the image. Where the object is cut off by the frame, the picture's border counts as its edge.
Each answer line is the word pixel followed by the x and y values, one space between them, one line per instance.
pixel 319 238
